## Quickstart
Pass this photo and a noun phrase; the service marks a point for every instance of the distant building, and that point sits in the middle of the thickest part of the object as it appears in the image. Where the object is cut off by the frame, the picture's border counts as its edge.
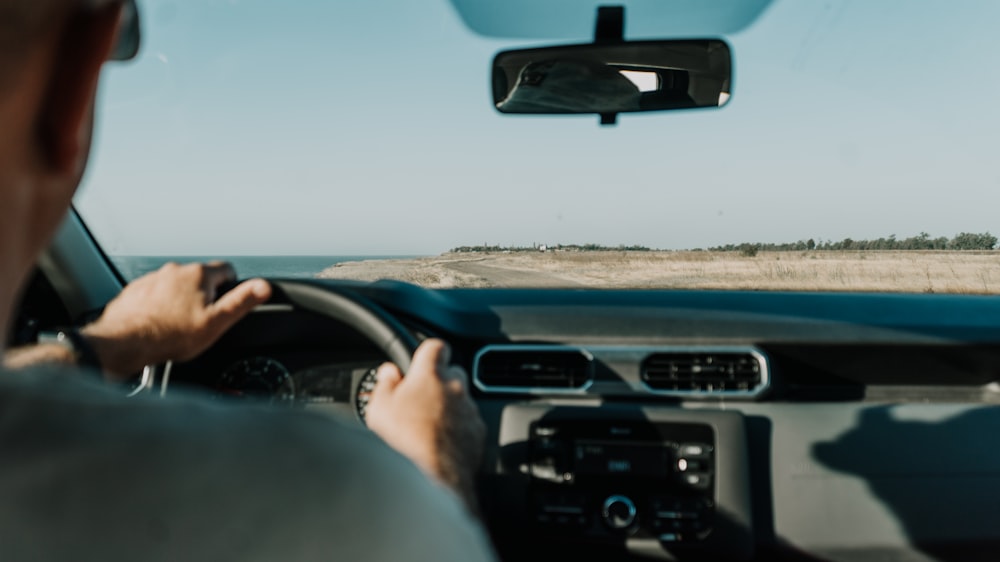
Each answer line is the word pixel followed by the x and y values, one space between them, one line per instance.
pixel 543 248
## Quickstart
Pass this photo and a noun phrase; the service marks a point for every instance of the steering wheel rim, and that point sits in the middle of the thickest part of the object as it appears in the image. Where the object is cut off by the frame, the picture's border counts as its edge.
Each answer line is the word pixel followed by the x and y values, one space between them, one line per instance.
pixel 352 309
pixel 344 305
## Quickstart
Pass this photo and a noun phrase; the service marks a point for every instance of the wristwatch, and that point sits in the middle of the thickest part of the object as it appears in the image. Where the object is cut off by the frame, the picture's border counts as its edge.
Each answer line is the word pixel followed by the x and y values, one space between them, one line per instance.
pixel 71 339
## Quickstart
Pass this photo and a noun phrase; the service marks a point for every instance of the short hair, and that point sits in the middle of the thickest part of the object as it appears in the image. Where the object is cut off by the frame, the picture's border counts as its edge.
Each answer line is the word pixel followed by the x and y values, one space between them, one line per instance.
pixel 23 21
pixel 20 20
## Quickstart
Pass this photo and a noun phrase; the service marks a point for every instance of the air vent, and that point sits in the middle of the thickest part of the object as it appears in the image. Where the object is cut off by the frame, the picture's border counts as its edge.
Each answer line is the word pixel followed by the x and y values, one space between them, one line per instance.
pixel 706 372
pixel 533 369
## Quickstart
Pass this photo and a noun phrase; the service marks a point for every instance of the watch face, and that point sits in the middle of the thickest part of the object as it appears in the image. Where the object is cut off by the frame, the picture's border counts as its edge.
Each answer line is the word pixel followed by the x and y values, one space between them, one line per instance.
pixel 58 338
pixel 83 355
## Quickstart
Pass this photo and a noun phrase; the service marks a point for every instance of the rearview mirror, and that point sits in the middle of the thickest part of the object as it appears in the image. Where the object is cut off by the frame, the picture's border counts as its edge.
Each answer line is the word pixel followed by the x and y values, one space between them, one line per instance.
pixel 612 78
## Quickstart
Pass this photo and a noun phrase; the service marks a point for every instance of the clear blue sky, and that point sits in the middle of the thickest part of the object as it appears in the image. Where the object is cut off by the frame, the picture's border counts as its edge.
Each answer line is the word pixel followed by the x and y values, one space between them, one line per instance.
pixel 317 127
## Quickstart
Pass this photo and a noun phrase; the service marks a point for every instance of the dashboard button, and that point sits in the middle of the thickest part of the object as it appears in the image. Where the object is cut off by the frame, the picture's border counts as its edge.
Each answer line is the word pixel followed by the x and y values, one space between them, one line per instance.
pixel 691 465
pixel 697 481
pixel 693 450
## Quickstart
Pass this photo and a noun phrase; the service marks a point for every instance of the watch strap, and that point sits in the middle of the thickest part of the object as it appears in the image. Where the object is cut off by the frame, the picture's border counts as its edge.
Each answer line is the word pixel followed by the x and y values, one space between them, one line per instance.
pixel 83 353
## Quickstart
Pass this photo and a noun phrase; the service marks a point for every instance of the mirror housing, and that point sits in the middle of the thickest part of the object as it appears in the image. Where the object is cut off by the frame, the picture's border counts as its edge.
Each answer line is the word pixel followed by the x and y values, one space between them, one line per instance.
pixel 612 76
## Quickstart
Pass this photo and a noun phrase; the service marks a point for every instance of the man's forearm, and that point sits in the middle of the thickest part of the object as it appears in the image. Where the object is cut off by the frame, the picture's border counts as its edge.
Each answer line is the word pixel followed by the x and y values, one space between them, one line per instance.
pixel 115 360
pixel 38 354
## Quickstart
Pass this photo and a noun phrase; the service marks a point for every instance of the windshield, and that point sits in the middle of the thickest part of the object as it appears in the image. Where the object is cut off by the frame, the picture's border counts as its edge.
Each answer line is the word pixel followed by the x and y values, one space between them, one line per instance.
pixel 359 140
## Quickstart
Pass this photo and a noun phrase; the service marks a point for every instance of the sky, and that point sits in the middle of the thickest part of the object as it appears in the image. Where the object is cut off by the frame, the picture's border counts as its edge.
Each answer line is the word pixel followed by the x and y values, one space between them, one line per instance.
pixel 253 127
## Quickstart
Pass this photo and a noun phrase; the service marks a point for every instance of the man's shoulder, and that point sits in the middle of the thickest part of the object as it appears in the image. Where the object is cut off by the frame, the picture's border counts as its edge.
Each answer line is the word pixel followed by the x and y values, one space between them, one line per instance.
pixel 221 477
pixel 67 408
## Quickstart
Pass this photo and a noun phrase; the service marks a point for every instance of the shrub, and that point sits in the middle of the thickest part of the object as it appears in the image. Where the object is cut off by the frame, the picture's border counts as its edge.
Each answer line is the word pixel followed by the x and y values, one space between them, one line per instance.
pixel 749 250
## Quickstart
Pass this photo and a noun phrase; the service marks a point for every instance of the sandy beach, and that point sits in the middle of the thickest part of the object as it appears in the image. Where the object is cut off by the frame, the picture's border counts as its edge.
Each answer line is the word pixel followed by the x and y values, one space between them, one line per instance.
pixel 893 271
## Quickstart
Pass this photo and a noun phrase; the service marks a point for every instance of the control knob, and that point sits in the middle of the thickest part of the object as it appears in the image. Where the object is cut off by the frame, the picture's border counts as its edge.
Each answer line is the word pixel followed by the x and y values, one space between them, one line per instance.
pixel 619 512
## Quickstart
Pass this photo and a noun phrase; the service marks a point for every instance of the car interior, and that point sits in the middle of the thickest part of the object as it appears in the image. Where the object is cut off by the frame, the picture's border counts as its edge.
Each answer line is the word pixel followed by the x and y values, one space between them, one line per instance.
pixel 647 424
pixel 641 424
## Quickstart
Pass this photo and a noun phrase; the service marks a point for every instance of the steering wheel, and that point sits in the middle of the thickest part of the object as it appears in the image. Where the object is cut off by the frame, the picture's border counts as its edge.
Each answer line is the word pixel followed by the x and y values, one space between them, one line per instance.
pixel 354 310
pixel 338 303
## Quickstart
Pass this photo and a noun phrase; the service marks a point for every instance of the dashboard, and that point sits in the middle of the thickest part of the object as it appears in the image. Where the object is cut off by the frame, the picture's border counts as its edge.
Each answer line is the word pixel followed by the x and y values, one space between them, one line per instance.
pixel 685 425
pixel 287 358
pixel 337 385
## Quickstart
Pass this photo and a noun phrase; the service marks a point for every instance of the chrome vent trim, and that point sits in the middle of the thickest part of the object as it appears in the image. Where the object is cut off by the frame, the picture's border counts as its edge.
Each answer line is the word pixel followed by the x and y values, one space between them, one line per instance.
pixel 537 364
pixel 736 372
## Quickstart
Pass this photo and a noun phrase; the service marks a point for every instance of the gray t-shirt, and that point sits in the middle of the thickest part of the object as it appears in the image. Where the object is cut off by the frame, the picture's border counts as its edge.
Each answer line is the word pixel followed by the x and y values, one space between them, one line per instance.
pixel 86 474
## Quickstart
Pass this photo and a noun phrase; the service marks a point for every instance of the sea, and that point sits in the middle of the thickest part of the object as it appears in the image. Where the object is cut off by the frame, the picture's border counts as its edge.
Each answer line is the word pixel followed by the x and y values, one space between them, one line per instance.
pixel 246 266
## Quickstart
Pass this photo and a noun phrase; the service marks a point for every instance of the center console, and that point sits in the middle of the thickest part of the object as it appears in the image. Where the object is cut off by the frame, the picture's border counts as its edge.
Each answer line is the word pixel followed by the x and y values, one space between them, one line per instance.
pixel 660 482
pixel 621 479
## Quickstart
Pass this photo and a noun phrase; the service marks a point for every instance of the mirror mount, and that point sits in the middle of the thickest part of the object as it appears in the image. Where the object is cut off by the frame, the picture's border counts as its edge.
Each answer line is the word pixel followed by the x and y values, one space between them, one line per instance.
pixel 610 28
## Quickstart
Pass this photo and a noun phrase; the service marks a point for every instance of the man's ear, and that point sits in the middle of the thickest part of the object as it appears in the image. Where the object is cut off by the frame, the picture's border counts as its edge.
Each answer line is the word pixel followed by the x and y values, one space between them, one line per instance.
pixel 65 125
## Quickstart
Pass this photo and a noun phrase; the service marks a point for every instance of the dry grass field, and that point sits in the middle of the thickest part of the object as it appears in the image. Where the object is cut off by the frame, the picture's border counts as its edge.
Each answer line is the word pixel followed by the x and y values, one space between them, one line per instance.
pixel 882 271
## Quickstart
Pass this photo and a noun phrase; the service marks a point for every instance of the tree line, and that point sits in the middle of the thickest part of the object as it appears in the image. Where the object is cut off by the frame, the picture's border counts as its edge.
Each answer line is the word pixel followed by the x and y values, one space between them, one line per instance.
pixel 922 241
pixel 486 248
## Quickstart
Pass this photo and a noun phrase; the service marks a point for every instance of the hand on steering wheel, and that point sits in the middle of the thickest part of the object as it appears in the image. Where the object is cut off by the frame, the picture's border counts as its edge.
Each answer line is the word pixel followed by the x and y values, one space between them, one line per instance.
pixel 428 415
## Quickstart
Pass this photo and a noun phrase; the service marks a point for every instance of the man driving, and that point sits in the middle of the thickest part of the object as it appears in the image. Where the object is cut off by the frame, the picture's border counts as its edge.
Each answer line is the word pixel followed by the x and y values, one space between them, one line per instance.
pixel 88 474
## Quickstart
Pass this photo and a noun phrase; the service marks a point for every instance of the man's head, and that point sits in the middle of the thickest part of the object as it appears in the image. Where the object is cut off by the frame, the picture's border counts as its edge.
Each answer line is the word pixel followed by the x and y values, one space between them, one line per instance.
pixel 51 53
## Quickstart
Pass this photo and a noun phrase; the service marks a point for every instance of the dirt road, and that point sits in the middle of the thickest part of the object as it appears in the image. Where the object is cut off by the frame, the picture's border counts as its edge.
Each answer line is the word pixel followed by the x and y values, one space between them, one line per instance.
pixel 887 271
pixel 504 277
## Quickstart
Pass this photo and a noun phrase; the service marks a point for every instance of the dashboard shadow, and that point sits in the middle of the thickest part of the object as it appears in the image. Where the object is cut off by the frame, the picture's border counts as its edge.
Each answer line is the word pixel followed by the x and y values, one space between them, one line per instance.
pixel 940 477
